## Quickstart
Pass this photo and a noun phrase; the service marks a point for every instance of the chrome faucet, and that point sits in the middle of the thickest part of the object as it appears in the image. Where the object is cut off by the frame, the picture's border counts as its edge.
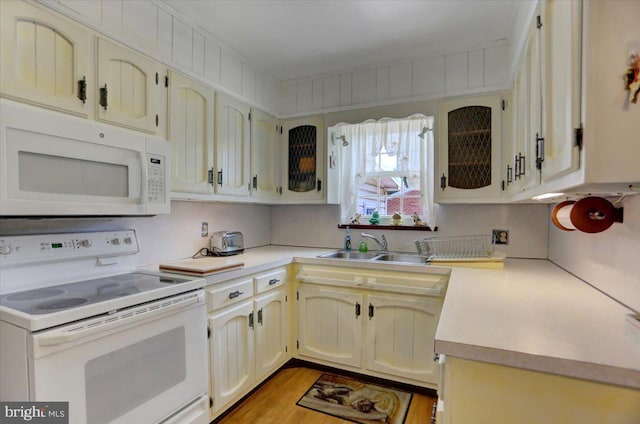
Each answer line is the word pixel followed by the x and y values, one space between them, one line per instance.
pixel 384 246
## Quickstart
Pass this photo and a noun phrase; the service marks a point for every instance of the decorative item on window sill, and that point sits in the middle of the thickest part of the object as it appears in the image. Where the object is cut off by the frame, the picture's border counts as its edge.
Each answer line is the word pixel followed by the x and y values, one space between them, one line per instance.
pixel 632 77
pixel 375 218
pixel 589 215
pixel 396 219
pixel 417 221
pixel 356 219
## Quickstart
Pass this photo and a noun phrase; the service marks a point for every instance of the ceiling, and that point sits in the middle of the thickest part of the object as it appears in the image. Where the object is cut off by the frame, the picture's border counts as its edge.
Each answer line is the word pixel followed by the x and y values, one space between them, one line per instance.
pixel 301 38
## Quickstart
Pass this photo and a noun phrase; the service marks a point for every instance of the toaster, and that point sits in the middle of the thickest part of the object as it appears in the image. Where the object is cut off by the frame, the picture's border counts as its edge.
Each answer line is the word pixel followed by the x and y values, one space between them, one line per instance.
pixel 226 243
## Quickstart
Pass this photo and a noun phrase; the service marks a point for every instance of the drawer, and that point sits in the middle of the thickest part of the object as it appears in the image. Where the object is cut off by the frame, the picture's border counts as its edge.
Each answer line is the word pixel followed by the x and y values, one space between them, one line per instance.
pixel 218 297
pixel 270 280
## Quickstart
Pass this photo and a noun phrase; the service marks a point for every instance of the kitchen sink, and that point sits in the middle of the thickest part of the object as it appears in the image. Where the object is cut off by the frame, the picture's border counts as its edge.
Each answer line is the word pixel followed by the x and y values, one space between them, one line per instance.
pixel 349 255
pixel 377 256
pixel 401 257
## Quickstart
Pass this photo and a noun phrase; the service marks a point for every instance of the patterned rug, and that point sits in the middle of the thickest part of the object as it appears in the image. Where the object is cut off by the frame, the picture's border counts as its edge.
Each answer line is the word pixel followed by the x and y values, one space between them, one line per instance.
pixel 356 400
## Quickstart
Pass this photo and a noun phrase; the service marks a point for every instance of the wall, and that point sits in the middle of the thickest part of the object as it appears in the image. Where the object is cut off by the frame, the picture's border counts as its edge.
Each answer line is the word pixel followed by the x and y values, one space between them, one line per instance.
pixel 164 237
pixel 608 260
pixel 455 74
pixel 317 226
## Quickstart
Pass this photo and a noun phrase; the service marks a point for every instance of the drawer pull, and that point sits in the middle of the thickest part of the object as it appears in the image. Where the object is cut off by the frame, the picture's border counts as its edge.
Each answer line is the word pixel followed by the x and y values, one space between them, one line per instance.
pixel 273 281
pixel 235 294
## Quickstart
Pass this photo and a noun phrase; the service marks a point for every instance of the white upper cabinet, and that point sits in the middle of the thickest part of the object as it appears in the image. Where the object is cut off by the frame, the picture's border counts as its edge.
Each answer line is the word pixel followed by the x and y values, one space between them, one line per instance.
pixel 232 138
pixel 523 145
pixel 131 89
pixel 303 159
pixel 470 146
pixel 44 59
pixel 562 40
pixel 190 132
pixel 265 156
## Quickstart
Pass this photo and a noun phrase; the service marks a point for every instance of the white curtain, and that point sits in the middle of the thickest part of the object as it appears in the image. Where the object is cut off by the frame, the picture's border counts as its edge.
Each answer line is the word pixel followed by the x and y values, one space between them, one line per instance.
pixel 401 139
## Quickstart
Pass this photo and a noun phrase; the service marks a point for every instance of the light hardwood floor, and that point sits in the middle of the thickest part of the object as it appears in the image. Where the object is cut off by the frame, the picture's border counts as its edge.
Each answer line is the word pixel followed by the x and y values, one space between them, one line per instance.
pixel 275 403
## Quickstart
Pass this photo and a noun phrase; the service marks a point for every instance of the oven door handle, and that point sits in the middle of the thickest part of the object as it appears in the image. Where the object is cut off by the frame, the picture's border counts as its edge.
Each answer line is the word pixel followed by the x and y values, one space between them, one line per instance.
pixel 126 318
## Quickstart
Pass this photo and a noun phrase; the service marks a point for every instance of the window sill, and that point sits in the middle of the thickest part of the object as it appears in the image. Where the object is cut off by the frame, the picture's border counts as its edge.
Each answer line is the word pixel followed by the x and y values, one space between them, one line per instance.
pixel 386 227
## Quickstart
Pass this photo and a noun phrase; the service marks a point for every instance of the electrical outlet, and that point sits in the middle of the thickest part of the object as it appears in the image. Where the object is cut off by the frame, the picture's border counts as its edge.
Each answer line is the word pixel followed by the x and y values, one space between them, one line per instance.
pixel 204 229
pixel 501 236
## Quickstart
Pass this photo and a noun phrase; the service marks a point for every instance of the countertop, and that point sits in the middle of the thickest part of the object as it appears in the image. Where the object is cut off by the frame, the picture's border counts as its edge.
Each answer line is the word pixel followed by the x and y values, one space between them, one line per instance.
pixel 536 316
pixel 531 315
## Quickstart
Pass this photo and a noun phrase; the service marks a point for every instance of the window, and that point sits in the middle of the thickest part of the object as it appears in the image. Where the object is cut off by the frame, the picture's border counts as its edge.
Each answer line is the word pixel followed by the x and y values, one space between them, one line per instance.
pixel 387 166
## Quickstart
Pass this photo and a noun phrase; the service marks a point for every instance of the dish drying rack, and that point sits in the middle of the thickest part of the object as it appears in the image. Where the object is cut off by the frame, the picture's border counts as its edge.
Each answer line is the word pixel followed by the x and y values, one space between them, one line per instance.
pixel 476 246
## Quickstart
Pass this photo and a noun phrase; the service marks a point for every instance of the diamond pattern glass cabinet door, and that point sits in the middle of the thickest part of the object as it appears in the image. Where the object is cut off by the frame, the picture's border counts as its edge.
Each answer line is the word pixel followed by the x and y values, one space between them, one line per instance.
pixel 469 142
pixel 302 158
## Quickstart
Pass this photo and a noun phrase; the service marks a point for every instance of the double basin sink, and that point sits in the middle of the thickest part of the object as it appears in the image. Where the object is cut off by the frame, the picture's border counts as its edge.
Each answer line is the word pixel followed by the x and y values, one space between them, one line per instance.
pixel 377 256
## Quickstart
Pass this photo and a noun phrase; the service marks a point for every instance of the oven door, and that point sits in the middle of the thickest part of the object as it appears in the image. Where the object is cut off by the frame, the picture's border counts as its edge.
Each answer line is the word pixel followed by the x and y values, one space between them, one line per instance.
pixel 139 365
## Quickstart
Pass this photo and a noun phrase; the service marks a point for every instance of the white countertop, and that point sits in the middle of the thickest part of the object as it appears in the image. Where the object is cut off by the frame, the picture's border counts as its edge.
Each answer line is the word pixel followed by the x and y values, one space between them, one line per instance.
pixel 536 316
pixel 531 315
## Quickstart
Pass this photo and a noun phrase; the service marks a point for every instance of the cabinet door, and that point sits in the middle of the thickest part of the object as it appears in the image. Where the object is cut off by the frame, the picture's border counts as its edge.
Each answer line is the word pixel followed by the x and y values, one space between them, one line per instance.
pixel 191 134
pixel 231 348
pixel 265 156
pixel 561 31
pixel 527 119
pixel 470 142
pixel 400 334
pixel 330 325
pixel 130 88
pixel 232 146
pixel 44 59
pixel 272 330
pixel 303 156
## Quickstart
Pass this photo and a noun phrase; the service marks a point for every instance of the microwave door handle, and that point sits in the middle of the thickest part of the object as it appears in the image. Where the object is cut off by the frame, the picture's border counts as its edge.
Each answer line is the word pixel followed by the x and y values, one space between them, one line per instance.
pixel 123 319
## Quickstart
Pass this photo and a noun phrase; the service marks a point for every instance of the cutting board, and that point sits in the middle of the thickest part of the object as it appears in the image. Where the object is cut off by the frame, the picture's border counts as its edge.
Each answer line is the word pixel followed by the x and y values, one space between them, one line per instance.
pixel 202 267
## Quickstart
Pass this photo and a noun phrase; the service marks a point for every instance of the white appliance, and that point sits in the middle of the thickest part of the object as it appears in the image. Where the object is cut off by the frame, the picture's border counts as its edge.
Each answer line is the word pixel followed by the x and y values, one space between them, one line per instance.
pixel 79 324
pixel 53 164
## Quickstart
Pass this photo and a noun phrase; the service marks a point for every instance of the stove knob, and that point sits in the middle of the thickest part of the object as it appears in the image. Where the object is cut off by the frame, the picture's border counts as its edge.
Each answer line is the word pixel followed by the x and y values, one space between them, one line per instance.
pixel 85 243
pixel 128 240
pixel 5 249
pixel 115 241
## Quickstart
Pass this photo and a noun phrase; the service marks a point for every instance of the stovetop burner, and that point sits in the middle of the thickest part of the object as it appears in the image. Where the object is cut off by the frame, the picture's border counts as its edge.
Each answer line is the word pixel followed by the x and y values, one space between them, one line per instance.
pixel 35 294
pixel 64 303
pixel 66 296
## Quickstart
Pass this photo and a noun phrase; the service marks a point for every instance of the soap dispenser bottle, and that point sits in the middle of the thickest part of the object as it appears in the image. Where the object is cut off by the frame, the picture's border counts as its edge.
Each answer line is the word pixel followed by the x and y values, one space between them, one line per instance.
pixel 347 241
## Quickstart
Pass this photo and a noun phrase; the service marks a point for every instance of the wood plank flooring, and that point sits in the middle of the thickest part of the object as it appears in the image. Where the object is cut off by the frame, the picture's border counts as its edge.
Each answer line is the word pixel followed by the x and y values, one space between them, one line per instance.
pixel 275 403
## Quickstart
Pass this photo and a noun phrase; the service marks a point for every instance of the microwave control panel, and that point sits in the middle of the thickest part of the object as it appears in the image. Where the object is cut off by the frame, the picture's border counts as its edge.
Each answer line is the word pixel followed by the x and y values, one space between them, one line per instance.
pixel 156 176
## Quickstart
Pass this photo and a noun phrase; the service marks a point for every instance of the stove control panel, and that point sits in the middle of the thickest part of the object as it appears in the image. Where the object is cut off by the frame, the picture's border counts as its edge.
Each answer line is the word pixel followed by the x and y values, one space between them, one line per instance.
pixel 54 247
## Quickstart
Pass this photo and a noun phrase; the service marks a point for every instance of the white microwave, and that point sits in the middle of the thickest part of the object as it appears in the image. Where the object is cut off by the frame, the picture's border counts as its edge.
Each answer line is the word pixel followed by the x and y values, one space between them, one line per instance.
pixel 52 164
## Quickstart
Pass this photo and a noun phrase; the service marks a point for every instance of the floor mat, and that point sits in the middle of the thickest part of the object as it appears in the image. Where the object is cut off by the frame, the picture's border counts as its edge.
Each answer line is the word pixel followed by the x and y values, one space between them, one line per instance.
pixel 357 401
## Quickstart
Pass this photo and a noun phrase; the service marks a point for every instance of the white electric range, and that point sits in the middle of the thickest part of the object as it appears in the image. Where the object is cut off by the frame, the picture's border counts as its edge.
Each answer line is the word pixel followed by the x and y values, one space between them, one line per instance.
pixel 79 324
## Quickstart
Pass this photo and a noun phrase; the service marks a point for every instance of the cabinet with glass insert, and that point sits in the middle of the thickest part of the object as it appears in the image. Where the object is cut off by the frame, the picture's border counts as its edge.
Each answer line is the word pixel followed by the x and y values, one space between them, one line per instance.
pixel 470 132
pixel 303 147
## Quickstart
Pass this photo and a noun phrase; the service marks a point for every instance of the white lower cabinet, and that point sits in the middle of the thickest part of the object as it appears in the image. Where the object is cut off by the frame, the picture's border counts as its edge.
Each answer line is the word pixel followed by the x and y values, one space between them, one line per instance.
pixel 249 334
pixel 482 392
pixel 379 323
pixel 271 332
pixel 232 353
pixel 400 334
pixel 330 324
